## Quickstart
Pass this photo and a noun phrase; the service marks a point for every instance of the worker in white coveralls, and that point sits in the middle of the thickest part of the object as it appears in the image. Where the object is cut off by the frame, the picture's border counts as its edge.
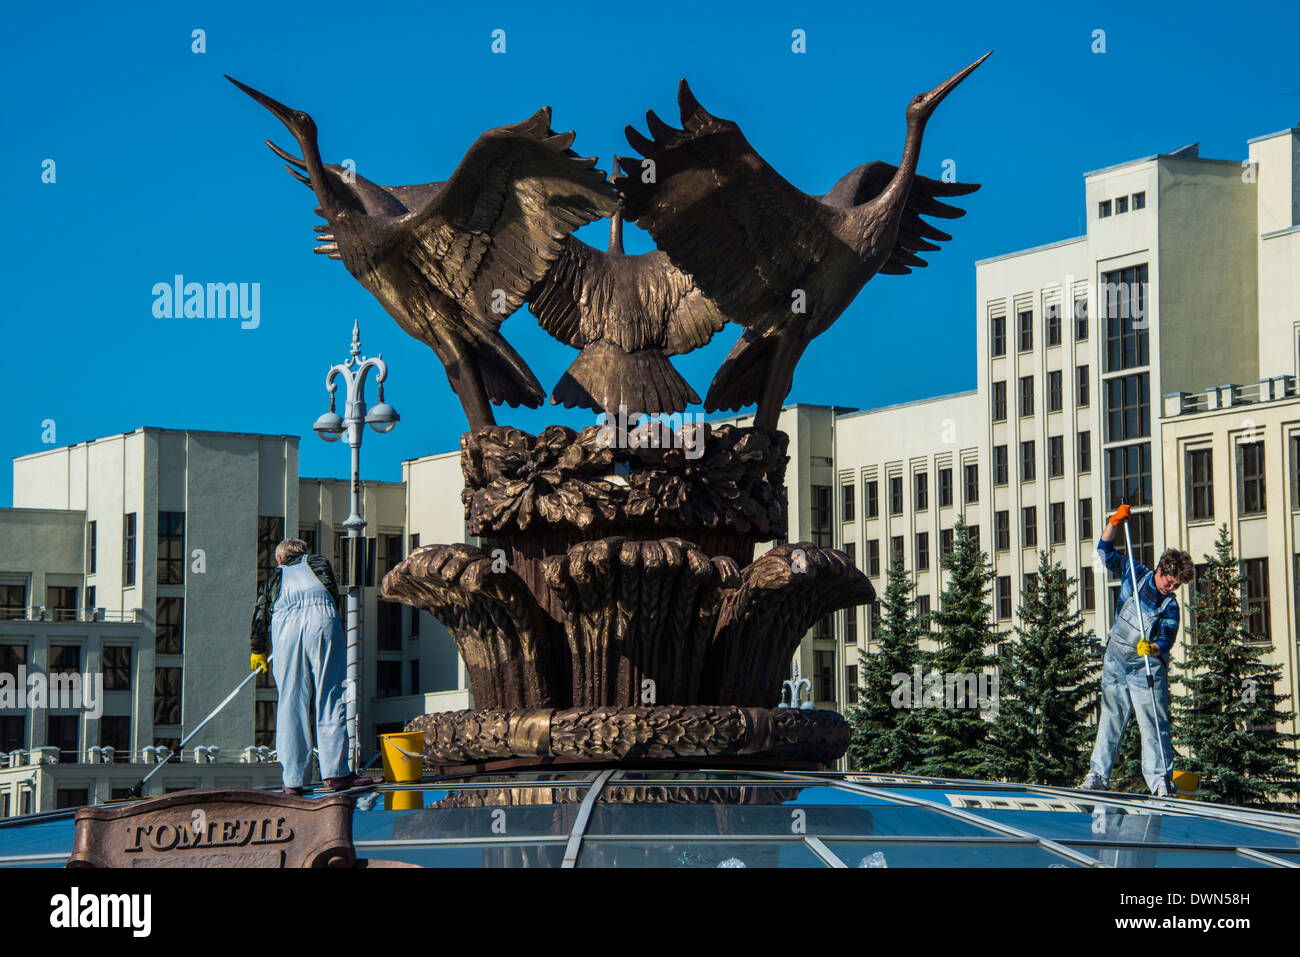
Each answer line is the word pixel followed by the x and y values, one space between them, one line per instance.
pixel 298 610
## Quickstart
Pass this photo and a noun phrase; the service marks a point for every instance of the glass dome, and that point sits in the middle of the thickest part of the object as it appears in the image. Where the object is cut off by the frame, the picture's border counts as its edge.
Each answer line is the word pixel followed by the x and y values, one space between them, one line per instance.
pixel 673 817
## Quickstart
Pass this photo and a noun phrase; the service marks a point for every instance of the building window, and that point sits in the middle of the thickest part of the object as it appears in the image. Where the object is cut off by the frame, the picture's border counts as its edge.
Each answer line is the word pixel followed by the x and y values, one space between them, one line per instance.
pixel 1128 407
pixel 1295 470
pixel 171 548
pixel 307 533
pixel 391 557
pixel 851 626
pixel 1082 398
pixel 999 465
pixel 851 550
pixel 923 612
pixel 128 549
pixel 1085 452
pixel 975 536
pixel 895 495
pixel 1080 319
pixel 264 723
pixel 871 496
pixel 1055 456
pixel 1139 201
pixel 824 675
pixel 1052 318
pixel 117 667
pixel 999 401
pixel 921 491
pixel 1125 292
pixel 895 547
pixel 1250 466
pixel 270 533
pixel 1140 527
pixel 1254 599
pixel 1103 209
pixel 13 601
pixel 90 601
pixel 13 732
pixel 873 558
pixel 945 541
pixel 1055 392
pixel 821 516
pixel 167 696
pixel 1085 519
pixel 388 625
pixel 1029 527
pixel 61 731
pixel 1129 472
pixel 1002 530
pixel 65 659
pixel 169 624
pixel 945 488
pixel 846 503
pixel 388 679
pixel 66 798
pixel 1200 485
pixel 851 683
pixel 1026 395
pixel 1121 205
pixel 115 733
pixel 972 476
pixel 1003 596
pixel 62 600
pixel 1057 518
pixel 92 546
pixel 1027 460
pixel 1026 322
pixel 998 327
pixel 12 657
pixel 1087 589
pixel 922 559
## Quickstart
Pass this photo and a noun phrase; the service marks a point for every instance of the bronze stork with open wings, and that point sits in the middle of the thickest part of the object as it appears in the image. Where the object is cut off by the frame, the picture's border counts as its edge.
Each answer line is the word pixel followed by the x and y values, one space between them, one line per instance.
pixel 450 261
pixel 627 313
pixel 761 248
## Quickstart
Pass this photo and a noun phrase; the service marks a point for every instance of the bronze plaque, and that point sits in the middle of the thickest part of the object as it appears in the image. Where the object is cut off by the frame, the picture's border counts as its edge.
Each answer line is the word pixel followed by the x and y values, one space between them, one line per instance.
pixel 217 827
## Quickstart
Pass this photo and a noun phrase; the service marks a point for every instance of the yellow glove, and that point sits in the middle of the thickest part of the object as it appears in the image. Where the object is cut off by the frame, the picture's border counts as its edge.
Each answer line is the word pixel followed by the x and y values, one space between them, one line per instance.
pixel 257 663
pixel 1146 649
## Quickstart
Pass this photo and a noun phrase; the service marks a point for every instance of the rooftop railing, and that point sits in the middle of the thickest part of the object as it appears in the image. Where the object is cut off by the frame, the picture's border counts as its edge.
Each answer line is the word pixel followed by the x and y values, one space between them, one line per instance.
pixel 1228 396
pixel 49 613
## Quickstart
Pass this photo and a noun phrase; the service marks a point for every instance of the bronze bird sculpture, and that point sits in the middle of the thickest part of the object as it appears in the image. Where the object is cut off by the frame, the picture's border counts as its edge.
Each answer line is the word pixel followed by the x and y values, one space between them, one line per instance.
pixel 450 261
pixel 783 263
pixel 627 313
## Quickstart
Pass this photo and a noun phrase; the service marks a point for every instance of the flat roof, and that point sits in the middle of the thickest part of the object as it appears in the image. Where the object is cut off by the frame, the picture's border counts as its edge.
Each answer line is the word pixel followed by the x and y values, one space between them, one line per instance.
pixel 156 428
pixel 1032 249
pixel 910 402
pixel 1268 136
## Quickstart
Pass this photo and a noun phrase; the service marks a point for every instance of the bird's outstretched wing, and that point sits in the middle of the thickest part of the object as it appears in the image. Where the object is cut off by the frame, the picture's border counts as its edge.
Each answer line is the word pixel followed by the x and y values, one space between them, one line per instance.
pixel 745 235
pixel 635 301
pixel 860 186
pixel 501 219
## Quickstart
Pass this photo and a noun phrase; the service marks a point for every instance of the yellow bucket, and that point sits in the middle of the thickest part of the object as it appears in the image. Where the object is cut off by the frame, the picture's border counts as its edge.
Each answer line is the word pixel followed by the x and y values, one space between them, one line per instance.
pixel 403 755
pixel 404 800
pixel 1186 784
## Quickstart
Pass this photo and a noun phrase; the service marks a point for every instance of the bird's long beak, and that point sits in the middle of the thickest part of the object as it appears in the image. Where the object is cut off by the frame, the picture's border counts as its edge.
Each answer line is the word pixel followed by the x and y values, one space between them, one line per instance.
pixel 278 109
pixel 935 96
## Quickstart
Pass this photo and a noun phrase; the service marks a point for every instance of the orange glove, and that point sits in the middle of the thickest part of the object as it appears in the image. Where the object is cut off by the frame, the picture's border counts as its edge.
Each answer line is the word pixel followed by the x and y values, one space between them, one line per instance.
pixel 1121 513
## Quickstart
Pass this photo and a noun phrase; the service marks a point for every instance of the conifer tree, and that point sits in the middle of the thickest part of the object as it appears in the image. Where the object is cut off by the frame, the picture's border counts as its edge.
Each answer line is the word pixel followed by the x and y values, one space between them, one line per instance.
pixel 1048 688
pixel 884 735
pixel 955 739
pixel 1230 714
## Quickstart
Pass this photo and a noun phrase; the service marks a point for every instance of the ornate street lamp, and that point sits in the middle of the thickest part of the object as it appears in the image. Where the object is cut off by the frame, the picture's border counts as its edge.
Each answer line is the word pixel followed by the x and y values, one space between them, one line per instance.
pixel 331 428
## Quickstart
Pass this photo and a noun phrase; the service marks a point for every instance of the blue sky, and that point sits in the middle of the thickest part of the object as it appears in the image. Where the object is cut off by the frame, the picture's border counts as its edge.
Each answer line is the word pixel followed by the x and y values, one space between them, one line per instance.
pixel 160 169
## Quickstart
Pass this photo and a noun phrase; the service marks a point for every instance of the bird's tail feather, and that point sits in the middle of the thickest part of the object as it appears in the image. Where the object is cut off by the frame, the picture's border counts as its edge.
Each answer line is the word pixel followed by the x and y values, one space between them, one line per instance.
pixel 506 377
pixel 604 377
pixel 740 378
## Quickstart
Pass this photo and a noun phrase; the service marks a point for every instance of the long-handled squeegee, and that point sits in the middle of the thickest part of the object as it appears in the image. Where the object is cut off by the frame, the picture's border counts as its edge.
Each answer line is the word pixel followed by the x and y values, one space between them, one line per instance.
pixel 137 789
pixel 1146 659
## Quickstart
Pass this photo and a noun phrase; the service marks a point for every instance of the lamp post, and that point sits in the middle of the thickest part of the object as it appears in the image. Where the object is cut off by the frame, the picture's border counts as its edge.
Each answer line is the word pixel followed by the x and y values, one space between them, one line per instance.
pixel 331 427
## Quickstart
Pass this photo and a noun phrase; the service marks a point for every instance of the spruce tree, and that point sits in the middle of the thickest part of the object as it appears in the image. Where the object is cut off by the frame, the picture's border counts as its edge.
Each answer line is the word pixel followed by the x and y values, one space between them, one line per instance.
pixel 955 739
pixel 1048 688
pixel 1228 719
pixel 885 736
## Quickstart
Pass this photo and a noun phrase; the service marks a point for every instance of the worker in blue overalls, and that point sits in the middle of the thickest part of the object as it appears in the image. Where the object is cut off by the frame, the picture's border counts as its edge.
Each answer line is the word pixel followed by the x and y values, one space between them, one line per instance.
pixel 298 607
pixel 1133 642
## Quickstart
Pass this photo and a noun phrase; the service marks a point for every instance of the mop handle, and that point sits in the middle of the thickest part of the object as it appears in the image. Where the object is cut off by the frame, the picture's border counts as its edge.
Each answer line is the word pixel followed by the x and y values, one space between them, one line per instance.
pixel 1146 659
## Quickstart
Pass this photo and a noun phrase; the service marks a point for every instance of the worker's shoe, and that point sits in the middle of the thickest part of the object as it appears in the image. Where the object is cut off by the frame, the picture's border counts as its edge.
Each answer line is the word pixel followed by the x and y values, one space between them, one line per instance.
pixel 296 792
pixel 1163 790
pixel 353 780
pixel 1095 782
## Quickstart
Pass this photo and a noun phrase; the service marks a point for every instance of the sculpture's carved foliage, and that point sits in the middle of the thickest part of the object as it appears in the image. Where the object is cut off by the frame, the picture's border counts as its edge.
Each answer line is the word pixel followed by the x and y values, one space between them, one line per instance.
pixel 501 633
pixel 656 732
pixel 709 478
pixel 781 595
pixel 638 611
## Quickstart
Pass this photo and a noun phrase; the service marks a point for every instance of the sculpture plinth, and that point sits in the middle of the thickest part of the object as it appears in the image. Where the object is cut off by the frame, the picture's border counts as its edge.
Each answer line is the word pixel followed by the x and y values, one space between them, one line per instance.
pixel 613 612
